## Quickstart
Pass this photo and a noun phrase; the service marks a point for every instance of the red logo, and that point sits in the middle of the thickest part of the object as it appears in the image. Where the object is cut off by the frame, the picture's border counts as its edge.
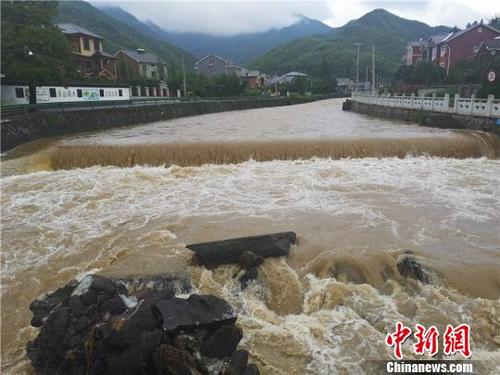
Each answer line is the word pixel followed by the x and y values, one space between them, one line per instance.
pixel 455 340
pixel 427 340
pixel 398 338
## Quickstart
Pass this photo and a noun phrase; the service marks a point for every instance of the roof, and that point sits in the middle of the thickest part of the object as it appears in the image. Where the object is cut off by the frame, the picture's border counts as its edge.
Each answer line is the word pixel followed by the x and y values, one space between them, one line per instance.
pixel 251 73
pixel 455 35
pixel 415 44
pixel 140 57
pixel 295 74
pixel 71 28
pixel 214 56
pixel 105 54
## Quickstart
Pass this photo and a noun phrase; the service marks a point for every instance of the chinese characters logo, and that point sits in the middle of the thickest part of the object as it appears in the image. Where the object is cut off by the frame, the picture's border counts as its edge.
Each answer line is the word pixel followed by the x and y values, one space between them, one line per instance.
pixel 455 340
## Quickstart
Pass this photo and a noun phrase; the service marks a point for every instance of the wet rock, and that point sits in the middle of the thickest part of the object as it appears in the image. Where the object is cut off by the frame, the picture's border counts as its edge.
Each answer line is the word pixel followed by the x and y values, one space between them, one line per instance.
pixel 230 251
pixel 41 308
pixel 222 342
pixel 89 298
pixel 251 370
pixel 239 361
pixel 102 284
pixel 96 328
pixel 196 311
pixel 248 260
pixel 114 305
pixel 248 277
pixel 171 360
pixel 143 319
pixel 409 267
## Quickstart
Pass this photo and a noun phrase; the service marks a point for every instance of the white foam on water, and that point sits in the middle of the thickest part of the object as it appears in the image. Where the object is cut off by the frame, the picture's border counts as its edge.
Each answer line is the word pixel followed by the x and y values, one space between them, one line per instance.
pixel 57 213
pixel 376 205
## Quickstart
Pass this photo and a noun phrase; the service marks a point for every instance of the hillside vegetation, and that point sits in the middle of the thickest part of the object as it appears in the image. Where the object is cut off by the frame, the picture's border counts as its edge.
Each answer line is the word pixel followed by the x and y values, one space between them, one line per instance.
pixel 387 31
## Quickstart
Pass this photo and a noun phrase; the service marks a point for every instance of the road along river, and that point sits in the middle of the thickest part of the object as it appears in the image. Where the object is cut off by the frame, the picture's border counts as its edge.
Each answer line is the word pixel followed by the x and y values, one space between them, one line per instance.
pixel 358 191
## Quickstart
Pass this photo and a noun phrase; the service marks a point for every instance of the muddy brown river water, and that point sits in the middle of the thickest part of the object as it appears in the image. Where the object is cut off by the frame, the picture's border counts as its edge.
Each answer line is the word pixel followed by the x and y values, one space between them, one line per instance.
pixel 358 191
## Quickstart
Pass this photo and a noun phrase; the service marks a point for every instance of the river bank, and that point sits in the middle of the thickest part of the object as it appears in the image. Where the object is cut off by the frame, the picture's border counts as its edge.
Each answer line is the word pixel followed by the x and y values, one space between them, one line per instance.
pixel 37 125
pixel 427 118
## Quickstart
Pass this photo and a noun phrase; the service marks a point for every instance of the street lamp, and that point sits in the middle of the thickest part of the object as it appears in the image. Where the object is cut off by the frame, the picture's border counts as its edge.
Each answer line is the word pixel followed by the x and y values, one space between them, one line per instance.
pixel 31 84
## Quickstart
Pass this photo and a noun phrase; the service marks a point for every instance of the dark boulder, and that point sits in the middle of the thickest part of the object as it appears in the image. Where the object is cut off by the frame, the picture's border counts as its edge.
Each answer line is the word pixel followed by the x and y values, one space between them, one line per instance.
pixel 248 260
pixel 96 328
pixel 251 370
pixel 409 267
pixel 171 360
pixel 41 308
pixel 239 361
pixel 248 277
pixel 230 251
pixel 196 311
pixel 222 342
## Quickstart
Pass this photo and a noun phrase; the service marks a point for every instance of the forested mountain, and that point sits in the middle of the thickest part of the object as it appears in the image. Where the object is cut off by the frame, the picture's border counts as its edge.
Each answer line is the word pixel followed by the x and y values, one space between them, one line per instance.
pixel 240 48
pixel 335 51
pixel 119 34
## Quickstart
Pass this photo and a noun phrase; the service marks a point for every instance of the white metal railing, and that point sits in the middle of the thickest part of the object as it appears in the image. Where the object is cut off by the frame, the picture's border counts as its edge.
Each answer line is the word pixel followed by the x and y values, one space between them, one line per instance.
pixel 466 106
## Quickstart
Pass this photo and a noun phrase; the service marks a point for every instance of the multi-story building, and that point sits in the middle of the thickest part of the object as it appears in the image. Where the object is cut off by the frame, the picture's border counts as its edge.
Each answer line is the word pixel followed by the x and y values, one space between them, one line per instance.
pixel 446 50
pixel 88 50
pixel 139 64
pixel 212 66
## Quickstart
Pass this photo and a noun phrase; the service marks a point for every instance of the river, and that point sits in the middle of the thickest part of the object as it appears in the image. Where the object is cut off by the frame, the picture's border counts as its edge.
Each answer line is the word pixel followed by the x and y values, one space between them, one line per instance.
pixel 358 191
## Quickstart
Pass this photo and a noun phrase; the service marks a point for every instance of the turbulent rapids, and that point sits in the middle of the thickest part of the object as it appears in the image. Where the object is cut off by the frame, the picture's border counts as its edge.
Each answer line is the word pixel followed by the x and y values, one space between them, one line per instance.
pixel 359 192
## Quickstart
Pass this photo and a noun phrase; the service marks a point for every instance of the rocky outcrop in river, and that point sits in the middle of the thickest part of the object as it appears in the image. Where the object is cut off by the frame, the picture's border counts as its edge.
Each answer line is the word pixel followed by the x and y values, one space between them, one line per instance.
pixel 96 327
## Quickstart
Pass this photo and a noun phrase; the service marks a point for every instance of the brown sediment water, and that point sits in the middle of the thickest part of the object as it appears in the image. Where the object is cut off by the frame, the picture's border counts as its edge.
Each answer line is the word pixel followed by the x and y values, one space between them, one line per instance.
pixel 325 309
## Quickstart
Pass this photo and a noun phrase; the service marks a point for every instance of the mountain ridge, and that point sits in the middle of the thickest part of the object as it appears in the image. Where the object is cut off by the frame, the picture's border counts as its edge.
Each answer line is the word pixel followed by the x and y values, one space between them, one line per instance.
pixel 239 48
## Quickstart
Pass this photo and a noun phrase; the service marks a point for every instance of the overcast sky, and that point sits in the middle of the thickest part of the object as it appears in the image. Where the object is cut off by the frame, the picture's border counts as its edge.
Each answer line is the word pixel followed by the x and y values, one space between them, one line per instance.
pixel 232 17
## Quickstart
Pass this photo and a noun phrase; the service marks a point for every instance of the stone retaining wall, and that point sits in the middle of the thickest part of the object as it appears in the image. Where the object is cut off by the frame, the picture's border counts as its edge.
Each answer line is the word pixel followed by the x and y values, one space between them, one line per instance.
pixel 427 118
pixel 44 124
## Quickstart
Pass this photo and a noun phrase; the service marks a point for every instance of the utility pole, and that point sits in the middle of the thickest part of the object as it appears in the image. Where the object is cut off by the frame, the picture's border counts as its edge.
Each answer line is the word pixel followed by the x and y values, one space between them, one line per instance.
pixel 357 45
pixel 184 77
pixel 366 78
pixel 373 68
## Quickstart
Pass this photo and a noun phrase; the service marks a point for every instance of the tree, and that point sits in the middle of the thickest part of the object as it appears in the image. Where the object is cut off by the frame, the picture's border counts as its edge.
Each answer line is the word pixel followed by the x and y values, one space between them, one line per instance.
pixel 33 49
pixel 422 73
pixel 495 22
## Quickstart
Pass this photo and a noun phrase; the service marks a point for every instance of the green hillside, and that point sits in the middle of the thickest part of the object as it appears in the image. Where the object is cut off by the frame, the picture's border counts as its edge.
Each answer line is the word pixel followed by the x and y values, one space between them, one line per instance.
pixel 119 35
pixel 387 31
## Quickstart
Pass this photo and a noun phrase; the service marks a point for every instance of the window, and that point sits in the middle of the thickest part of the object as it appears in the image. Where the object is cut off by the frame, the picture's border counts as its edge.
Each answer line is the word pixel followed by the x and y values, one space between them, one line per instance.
pixel 101 92
pixel 153 73
pixel 19 92
pixel 479 29
pixel 120 92
pixel 79 93
pixel 86 43
pixel 52 92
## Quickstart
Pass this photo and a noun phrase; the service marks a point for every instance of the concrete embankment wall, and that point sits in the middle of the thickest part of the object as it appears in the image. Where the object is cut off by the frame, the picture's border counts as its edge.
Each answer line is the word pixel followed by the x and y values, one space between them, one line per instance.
pixel 427 118
pixel 44 124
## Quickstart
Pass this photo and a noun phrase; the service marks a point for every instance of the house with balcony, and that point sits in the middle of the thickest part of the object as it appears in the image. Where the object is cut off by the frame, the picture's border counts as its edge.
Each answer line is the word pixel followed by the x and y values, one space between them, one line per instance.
pixel 139 64
pixel 88 50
